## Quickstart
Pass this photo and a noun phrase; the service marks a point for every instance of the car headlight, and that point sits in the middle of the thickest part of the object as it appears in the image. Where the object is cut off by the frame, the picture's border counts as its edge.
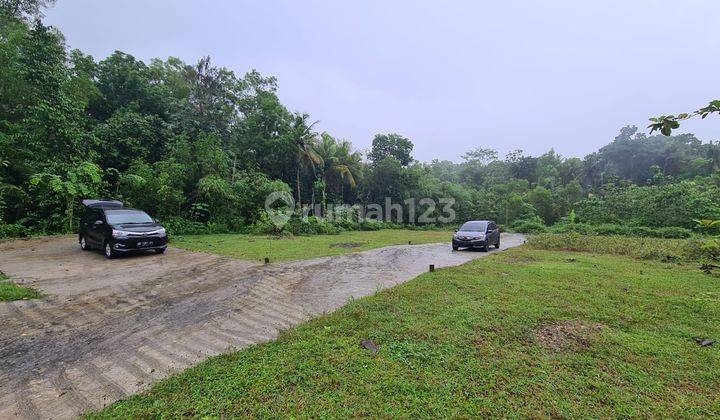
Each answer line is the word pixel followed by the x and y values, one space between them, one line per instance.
pixel 160 232
pixel 480 236
pixel 119 233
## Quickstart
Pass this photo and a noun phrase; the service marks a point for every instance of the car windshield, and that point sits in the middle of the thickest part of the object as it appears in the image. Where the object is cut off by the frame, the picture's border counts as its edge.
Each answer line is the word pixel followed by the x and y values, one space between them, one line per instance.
pixel 474 227
pixel 121 217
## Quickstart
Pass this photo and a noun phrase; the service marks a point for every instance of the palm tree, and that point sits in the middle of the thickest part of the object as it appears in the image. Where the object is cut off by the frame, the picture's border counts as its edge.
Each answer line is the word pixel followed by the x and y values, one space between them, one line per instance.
pixel 349 167
pixel 706 225
pixel 305 155
pixel 338 161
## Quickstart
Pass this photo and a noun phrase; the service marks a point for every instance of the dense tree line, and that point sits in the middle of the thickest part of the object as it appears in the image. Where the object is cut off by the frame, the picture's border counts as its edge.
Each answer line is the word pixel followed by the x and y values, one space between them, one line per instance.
pixel 197 143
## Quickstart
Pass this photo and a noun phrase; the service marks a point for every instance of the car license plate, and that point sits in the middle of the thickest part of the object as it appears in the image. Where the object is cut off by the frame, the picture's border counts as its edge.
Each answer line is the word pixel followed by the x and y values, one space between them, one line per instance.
pixel 145 243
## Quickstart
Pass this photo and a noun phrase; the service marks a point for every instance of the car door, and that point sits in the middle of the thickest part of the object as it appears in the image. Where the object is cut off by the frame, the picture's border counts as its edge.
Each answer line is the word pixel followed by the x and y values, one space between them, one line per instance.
pixel 493 232
pixel 95 228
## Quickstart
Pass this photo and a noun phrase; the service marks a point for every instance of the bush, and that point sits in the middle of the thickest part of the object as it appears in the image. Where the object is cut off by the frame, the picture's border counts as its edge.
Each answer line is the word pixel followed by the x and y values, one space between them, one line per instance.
pixel 14 230
pixel 705 250
pixel 312 226
pixel 642 231
pixel 368 224
pixel 180 226
pixel 610 229
pixel 346 217
pixel 580 228
pixel 264 225
pixel 217 227
pixel 674 233
pixel 529 226
pixel 676 204
pixel 643 248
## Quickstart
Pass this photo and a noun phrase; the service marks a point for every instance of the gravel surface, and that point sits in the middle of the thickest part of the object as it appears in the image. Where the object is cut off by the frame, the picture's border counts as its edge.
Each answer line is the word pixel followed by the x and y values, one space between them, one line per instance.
pixel 106 329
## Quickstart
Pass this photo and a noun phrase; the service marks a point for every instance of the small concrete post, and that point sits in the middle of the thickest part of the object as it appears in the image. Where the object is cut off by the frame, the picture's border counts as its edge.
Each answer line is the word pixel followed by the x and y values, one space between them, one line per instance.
pixel 432 267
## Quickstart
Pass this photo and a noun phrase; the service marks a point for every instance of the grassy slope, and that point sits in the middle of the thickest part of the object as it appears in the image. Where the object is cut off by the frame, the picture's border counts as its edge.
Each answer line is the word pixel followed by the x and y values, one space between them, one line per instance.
pixel 10 291
pixel 460 342
pixel 256 247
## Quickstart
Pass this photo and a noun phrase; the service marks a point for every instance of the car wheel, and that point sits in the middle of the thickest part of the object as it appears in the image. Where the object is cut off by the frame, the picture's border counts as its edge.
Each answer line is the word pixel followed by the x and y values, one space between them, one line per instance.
pixel 160 250
pixel 497 244
pixel 109 252
pixel 455 248
pixel 83 244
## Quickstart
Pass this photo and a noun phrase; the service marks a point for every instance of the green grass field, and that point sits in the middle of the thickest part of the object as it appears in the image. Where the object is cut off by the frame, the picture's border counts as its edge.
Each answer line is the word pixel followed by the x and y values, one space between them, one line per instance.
pixel 641 248
pixel 521 333
pixel 10 291
pixel 257 247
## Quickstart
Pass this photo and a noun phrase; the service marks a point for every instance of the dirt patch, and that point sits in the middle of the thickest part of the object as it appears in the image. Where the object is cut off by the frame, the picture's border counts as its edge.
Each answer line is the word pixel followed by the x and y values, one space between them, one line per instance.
pixel 346 245
pixel 566 334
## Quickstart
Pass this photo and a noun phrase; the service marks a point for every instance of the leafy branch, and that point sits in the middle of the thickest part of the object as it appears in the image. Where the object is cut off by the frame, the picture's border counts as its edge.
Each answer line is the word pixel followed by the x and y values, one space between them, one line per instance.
pixel 667 123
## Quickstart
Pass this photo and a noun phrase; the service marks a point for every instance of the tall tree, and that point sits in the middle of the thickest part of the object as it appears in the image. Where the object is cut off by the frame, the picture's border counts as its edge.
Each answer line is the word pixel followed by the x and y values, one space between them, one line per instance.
pixel 24 9
pixel 305 156
pixel 339 162
pixel 395 145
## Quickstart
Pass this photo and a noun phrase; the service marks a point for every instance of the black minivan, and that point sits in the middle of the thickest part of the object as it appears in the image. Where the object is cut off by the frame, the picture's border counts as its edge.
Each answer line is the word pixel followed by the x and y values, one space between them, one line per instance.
pixel 477 234
pixel 108 225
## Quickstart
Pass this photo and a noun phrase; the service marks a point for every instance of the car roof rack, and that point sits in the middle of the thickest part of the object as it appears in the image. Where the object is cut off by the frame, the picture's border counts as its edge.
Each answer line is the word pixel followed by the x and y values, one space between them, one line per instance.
pixel 103 204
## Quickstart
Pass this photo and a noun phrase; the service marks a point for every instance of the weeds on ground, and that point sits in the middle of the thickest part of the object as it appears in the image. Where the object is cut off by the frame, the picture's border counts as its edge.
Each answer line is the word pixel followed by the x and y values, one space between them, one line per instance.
pixel 11 291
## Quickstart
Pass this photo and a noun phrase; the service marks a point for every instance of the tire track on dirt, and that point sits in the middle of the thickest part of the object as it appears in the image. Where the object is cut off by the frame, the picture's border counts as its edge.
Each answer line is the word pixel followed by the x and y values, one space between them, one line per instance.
pixel 68 393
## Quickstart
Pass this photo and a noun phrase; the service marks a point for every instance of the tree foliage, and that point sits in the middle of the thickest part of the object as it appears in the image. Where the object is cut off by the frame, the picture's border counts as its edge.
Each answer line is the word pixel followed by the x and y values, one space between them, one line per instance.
pixel 667 123
pixel 196 143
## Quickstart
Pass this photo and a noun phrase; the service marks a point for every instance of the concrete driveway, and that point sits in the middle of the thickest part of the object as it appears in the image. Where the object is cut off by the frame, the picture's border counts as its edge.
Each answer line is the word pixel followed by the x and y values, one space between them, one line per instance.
pixel 106 329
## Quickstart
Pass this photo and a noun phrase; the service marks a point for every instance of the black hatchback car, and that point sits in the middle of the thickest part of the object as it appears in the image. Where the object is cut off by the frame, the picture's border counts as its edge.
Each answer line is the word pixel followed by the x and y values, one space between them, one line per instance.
pixel 477 234
pixel 108 225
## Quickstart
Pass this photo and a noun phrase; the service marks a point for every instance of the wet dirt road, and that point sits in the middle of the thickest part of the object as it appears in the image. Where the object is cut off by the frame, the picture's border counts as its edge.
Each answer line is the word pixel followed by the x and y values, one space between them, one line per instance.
pixel 106 329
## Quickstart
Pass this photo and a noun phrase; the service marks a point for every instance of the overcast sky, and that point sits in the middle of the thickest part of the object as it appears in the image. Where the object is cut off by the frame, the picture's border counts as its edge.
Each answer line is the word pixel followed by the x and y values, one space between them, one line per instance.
pixel 450 75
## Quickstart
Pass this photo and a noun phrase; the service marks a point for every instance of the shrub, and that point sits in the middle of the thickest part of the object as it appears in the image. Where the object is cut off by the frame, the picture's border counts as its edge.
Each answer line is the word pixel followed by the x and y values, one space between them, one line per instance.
pixel 643 248
pixel 532 225
pixel 312 226
pixel 393 225
pixel 180 226
pixel 706 250
pixel 264 225
pixel 529 226
pixel 368 224
pixel 676 204
pixel 674 232
pixel 429 226
pixel 580 228
pixel 217 227
pixel 346 217
pixel 612 229
pixel 14 230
